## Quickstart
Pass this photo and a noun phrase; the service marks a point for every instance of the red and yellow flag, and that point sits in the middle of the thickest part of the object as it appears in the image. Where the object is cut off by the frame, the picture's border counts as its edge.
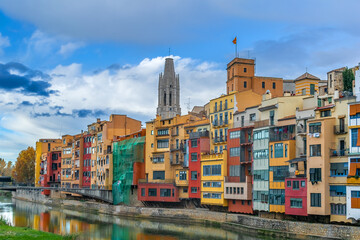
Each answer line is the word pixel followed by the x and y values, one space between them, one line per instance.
pixel 234 41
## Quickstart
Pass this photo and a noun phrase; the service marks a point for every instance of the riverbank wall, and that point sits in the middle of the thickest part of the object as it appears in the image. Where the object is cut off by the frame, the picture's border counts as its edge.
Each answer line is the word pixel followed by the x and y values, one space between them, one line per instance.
pixel 236 222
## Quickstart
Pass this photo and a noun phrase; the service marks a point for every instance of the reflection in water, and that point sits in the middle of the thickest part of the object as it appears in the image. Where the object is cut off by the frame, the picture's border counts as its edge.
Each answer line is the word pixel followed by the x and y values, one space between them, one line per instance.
pixel 100 226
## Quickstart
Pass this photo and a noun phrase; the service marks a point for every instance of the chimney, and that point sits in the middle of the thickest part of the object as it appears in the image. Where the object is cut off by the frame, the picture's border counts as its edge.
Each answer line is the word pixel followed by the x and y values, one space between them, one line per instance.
pixel 98 120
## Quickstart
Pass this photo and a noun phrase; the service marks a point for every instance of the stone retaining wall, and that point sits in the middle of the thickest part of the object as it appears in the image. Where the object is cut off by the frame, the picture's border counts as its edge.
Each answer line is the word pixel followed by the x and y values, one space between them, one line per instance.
pixel 236 222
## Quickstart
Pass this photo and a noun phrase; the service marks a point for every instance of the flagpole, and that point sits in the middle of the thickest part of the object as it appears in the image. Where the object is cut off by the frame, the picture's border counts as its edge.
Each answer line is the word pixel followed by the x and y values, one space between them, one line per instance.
pixel 236 48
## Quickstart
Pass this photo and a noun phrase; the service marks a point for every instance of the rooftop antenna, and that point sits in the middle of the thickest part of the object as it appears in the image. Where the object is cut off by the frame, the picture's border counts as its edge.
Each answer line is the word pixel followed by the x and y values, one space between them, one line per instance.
pixel 188 105
pixel 306 69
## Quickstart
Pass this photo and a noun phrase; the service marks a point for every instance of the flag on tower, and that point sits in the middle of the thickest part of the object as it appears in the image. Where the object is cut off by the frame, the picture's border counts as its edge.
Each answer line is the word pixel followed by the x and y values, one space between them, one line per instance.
pixel 234 41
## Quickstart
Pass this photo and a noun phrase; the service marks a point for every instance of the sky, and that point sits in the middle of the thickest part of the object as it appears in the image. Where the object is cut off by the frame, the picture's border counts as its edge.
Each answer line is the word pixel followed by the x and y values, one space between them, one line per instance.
pixel 65 63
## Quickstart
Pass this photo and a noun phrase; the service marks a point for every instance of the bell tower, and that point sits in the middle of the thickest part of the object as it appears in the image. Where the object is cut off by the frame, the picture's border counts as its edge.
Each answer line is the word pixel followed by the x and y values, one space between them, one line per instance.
pixel 168 92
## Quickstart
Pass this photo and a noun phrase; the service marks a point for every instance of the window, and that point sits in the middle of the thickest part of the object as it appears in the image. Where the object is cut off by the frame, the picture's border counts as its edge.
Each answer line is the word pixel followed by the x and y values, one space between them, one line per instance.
pixel 163 143
pixel 295 185
pixel 315 199
pixel 271 116
pixel 279 173
pixel 274 85
pixel 206 170
pixel 235 152
pixel 206 195
pixel 163 132
pixel 279 150
pixel 277 196
pixel 193 175
pixel 159 175
pixel 234 171
pixel 152 192
pixel 252 117
pixel 295 202
pixel 303 91
pixel 261 175
pixel 216 170
pixel 193 189
pixel 245 70
pixel 152 132
pixel 216 195
pixel 338 209
pixel 245 84
pixel 288 184
pixel 182 175
pixel 354 137
pixel 194 143
pixel 315 150
pixel 152 145
pixel 302 183
pixel 234 134
pixel 314 127
pixel 216 184
pixel 339 169
pixel 315 174
pixel 263 84
pixel 312 89
pixel 286 150
pixel 194 156
pixel 158 159
pixel 206 184
pixel 337 191
pixel 165 192
pixel 326 113
pixel 261 154
pixel 272 151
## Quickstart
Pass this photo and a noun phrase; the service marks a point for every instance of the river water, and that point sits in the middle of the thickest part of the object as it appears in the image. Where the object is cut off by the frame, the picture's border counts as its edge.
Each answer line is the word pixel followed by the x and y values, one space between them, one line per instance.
pixel 101 226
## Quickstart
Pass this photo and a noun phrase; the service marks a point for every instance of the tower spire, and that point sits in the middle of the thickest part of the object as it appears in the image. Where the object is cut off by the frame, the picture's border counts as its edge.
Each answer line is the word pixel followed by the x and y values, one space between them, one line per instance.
pixel 169 91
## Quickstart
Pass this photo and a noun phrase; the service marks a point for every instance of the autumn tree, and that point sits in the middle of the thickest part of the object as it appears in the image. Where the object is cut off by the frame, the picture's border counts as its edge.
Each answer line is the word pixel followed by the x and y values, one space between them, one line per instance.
pixel 24 169
pixel 5 168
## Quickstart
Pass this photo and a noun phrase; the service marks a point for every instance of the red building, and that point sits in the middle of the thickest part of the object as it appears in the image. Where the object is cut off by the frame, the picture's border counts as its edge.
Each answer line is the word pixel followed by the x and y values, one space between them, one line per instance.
pixel 50 174
pixel 158 192
pixel 238 183
pixel 86 180
pixel 198 143
pixel 296 196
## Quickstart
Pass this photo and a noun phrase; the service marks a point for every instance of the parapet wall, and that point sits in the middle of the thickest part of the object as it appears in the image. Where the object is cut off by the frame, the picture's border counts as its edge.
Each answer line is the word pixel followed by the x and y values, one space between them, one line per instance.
pixel 235 222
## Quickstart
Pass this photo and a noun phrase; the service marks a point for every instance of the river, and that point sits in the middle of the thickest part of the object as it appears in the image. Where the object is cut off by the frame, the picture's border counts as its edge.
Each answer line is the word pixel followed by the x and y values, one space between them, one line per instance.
pixel 100 226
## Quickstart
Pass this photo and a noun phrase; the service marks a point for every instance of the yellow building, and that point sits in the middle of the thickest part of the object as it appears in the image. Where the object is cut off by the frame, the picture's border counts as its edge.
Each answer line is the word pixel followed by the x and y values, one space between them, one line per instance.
pixel 166 159
pixel 221 115
pixel 306 84
pixel 43 146
pixel 213 172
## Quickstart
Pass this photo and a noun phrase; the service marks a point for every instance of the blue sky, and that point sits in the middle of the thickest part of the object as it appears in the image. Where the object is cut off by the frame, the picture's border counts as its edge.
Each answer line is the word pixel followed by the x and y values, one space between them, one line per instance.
pixel 65 63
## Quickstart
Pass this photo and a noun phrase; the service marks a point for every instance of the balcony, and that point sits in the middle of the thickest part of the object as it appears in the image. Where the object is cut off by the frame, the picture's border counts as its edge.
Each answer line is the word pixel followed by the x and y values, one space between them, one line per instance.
pixel 219 140
pixel 340 129
pixel 176 161
pixel 339 152
pixel 245 139
pixel 195 135
pixel 263 123
pixel 277 137
pixel 176 147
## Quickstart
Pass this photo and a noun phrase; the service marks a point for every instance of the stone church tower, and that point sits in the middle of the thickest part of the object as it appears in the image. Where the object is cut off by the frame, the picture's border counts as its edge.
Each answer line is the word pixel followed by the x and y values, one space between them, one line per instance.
pixel 169 92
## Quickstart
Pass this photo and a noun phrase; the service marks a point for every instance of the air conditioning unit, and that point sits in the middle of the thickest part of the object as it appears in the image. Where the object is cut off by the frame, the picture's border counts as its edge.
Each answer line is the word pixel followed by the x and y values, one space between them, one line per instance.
pixel 317 135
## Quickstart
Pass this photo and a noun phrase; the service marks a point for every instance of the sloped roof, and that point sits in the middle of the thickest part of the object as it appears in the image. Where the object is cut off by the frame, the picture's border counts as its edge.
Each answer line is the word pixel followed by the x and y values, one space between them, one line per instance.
pixel 307 76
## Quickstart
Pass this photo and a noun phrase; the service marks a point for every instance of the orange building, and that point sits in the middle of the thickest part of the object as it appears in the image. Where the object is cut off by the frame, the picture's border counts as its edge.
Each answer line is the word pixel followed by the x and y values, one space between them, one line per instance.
pixel 66 160
pixel 104 132
pixel 241 77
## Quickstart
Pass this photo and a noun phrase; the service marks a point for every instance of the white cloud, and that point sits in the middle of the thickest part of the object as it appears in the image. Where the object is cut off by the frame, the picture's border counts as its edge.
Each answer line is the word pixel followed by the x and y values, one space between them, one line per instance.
pixel 4 42
pixel 68 48
pixel 131 90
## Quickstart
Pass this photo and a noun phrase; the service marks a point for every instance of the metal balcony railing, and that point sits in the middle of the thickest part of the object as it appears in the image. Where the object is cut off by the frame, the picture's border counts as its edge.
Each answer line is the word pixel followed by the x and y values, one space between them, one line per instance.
pixel 340 129
pixel 195 135
pixel 339 152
